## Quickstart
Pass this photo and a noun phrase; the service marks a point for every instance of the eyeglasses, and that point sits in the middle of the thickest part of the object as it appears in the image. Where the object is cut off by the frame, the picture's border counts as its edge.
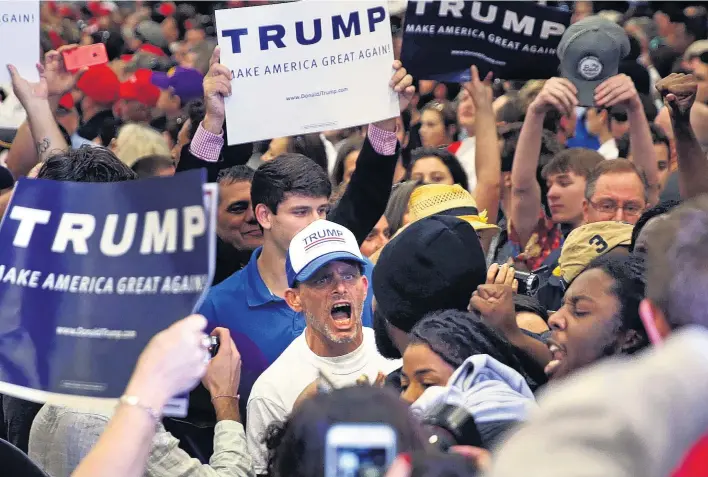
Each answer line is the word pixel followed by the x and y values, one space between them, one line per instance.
pixel 609 206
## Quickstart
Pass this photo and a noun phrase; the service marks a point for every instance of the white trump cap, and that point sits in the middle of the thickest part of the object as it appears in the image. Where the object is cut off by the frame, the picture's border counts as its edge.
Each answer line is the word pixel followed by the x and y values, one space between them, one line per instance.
pixel 315 246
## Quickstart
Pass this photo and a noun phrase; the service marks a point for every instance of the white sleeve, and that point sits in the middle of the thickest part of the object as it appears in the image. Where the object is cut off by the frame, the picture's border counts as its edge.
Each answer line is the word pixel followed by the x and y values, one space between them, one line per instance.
pixel 261 413
pixel 623 418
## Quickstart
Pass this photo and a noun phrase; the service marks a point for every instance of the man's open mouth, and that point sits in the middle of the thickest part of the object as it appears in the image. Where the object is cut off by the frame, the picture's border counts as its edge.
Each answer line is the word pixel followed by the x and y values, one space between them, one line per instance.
pixel 558 354
pixel 341 311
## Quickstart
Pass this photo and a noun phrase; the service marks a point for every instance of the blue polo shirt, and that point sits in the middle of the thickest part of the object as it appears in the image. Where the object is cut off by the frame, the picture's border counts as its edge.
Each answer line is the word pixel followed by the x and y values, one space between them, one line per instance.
pixel 262 325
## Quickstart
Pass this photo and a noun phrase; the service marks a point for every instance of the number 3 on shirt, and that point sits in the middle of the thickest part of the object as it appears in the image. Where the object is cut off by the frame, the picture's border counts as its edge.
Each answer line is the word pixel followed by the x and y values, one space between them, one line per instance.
pixel 600 243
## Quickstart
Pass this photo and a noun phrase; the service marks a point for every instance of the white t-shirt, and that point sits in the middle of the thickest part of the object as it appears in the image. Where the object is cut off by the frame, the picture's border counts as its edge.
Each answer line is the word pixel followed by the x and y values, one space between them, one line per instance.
pixel 466 155
pixel 276 390
pixel 609 150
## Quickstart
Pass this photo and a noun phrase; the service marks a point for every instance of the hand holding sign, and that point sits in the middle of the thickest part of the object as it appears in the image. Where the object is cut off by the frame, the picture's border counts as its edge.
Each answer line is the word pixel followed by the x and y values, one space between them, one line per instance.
pixel 172 363
pixel 217 85
pixel 402 83
pixel 558 93
pixel 617 90
pixel 679 93
pixel 59 80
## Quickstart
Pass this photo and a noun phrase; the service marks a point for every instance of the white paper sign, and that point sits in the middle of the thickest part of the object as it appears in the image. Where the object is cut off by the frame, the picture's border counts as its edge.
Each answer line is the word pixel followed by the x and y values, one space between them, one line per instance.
pixel 19 37
pixel 306 67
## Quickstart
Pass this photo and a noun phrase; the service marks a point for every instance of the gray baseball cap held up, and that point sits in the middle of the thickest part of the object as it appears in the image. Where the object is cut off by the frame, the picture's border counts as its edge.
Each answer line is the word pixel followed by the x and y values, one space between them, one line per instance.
pixel 589 52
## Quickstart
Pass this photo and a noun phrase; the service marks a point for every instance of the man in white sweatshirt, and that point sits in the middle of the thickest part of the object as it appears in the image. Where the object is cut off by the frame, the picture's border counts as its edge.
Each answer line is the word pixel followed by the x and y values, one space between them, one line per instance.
pixel 324 268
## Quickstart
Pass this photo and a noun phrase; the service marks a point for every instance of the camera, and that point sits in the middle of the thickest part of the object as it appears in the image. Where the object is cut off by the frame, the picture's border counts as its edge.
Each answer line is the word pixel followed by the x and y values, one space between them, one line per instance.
pixel 449 426
pixel 528 283
pixel 214 346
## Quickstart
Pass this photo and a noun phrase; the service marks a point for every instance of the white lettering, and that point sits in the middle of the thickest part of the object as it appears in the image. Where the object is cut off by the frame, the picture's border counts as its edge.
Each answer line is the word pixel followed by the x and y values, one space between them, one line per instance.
pixel 454 7
pixel 194 225
pixel 488 18
pixel 108 245
pixel 158 238
pixel 28 218
pixel 74 228
pixel 549 28
pixel 511 21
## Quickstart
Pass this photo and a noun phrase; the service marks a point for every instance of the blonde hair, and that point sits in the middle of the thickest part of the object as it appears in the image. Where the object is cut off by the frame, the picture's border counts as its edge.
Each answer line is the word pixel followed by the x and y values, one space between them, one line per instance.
pixel 135 141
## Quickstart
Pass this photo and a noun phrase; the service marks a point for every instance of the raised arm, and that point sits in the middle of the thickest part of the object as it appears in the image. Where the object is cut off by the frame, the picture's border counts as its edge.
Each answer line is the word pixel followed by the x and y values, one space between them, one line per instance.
pixel 40 132
pixel 487 159
pixel 557 93
pixel 365 199
pixel 620 90
pixel 172 363
pixel 679 93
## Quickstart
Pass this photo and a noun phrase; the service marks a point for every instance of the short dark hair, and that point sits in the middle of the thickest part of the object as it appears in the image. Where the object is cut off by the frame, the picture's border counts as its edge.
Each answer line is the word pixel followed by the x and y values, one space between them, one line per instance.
pixel 149 166
pixel 352 144
pixel 296 446
pixel 577 160
pixel 288 174
pixel 677 261
pixel 406 120
pixel 459 176
pixel 239 173
pixel 456 335
pixel 658 136
pixel 629 284
pixel 511 112
pixel 659 209
pixel 86 164
pixel 615 166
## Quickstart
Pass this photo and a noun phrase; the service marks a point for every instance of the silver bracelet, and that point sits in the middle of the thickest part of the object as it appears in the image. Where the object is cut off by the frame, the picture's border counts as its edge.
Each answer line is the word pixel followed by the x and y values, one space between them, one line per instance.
pixel 135 401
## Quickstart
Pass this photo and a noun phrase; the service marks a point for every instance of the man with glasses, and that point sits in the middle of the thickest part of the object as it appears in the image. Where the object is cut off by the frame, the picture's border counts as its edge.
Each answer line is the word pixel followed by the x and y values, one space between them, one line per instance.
pixel 616 190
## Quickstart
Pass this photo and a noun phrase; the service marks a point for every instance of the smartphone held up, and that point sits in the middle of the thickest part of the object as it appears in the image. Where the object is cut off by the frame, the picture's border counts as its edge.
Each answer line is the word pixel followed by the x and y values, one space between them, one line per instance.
pixel 85 56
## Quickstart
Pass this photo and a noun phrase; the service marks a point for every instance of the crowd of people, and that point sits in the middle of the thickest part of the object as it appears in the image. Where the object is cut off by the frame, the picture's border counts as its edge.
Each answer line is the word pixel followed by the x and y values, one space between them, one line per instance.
pixel 496 247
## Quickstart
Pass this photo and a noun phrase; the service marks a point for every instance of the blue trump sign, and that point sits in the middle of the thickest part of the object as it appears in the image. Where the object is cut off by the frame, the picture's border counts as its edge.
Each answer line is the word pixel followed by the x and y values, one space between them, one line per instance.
pixel 514 40
pixel 89 273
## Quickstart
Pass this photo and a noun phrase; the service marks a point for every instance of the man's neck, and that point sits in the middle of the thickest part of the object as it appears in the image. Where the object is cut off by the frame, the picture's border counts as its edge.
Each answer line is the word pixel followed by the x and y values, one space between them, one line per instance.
pixel 89 113
pixel 604 136
pixel 271 267
pixel 324 348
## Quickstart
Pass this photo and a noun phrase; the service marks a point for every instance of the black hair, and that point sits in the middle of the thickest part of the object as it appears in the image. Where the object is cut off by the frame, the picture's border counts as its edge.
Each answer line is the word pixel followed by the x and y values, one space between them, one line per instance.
pixel 456 335
pixel 196 112
pixel 86 164
pixel 149 166
pixel 658 136
pixel 384 343
pixel 659 209
pixel 296 446
pixel 438 464
pixel 109 130
pixel 352 144
pixel 629 284
pixel 459 176
pixel 530 304
pixel 288 174
pixel 238 173
pixel 173 126
pixel 406 120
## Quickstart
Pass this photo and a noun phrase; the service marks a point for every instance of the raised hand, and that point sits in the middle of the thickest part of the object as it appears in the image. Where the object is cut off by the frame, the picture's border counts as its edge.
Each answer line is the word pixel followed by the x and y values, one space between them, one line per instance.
pixel 59 80
pixel 558 93
pixel 480 91
pixel 29 94
pixel 217 85
pixel 679 93
pixel 223 374
pixel 402 83
pixel 617 90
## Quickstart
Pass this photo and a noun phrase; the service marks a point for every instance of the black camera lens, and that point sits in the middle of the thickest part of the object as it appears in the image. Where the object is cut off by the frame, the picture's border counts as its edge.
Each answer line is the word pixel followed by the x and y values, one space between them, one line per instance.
pixel 214 347
pixel 450 425
pixel 528 283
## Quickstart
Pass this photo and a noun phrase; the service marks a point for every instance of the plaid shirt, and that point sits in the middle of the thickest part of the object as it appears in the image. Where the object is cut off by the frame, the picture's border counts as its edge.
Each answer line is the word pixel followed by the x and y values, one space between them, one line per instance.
pixel 207 146
pixel 61 437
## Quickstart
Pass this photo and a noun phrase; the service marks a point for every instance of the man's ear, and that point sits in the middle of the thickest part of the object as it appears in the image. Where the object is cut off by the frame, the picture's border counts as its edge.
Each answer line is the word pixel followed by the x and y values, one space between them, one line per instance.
pixel 365 282
pixel 654 320
pixel 292 298
pixel 586 206
pixel 263 216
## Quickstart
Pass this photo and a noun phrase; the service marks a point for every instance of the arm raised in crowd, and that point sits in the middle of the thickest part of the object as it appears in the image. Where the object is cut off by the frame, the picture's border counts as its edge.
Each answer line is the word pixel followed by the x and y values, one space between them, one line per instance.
pixel 172 363
pixel 679 93
pixel 557 93
pixel 487 157
pixel 365 199
pixel 620 90
pixel 26 151
pixel 207 146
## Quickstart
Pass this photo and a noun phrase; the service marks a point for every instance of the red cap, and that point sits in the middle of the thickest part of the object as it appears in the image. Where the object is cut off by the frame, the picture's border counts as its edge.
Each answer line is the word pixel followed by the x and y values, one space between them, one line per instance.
pixel 167 9
pixel 100 83
pixel 152 49
pixel 67 101
pixel 138 88
pixel 56 39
